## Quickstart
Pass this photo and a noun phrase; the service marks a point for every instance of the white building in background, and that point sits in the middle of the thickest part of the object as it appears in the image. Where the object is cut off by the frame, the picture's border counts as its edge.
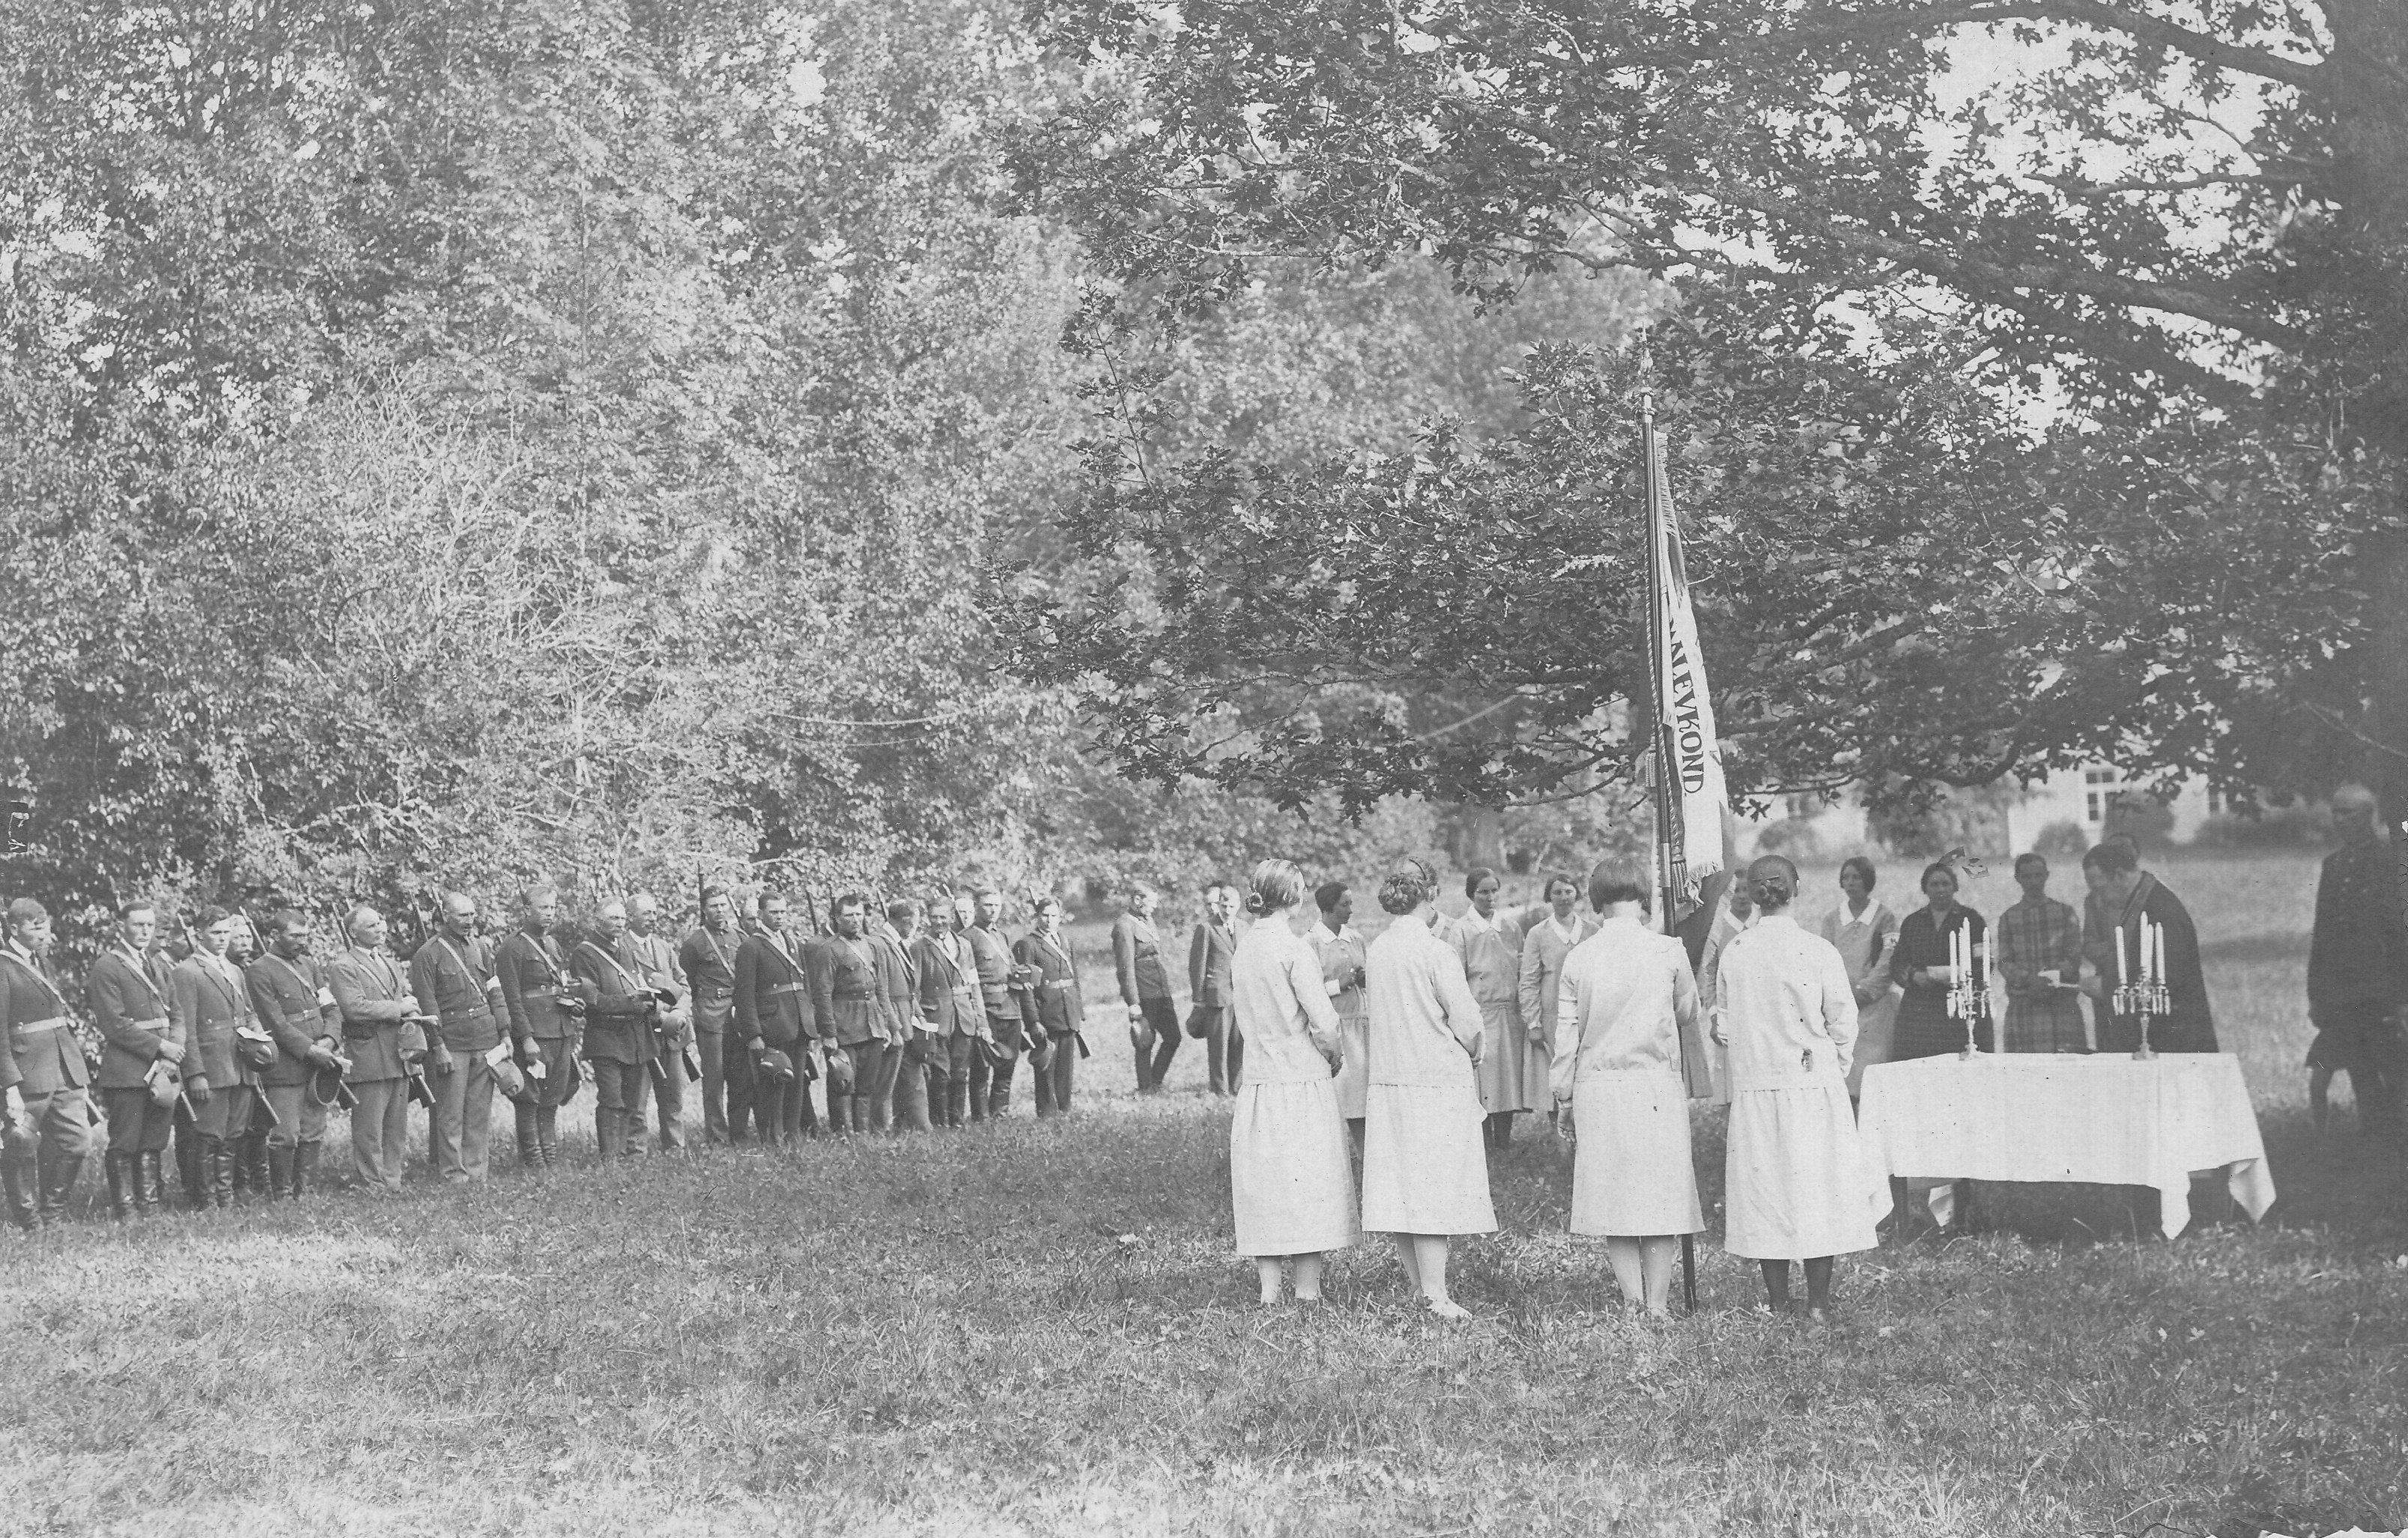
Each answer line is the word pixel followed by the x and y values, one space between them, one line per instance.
pixel 2079 796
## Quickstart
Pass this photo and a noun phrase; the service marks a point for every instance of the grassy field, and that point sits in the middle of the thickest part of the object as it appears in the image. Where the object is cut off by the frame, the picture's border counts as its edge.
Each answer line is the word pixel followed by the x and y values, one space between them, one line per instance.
pixel 1041 1328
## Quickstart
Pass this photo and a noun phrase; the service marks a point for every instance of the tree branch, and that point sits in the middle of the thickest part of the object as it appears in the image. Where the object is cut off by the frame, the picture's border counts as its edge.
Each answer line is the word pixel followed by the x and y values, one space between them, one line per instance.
pixel 2305 75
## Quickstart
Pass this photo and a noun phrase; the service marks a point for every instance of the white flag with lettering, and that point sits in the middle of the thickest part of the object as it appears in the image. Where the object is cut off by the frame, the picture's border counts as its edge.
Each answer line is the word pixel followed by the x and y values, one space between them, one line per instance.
pixel 1685 739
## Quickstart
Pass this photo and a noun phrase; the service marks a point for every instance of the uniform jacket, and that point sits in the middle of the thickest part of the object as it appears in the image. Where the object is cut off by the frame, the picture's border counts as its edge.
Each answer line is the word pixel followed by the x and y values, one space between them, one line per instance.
pixel 774 992
pixel 1136 959
pixel 992 953
pixel 898 974
pixel 948 984
pixel 368 988
pixel 848 995
pixel 294 1002
pixel 43 1056
pixel 454 979
pixel 211 1004
pixel 1051 997
pixel 129 1000
pixel 708 961
pixel 534 974
pixel 655 960
pixel 619 1027
pixel 1211 952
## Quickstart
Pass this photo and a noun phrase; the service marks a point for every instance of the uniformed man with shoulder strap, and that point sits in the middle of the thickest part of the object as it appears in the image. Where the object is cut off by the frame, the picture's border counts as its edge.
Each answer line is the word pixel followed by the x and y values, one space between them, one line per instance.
pixel 849 999
pixel 453 975
pixel 655 961
pixel 385 1036
pixel 140 1082
pixel 47 1071
pixel 708 957
pixel 547 1012
pixel 906 1087
pixel 954 1008
pixel 618 1032
pixel 1005 1031
pixel 774 1014
pixel 226 1050
pixel 287 988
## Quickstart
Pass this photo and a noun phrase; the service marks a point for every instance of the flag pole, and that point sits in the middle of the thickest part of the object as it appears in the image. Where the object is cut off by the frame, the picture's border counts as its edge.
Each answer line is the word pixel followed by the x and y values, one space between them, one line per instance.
pixel 1657 685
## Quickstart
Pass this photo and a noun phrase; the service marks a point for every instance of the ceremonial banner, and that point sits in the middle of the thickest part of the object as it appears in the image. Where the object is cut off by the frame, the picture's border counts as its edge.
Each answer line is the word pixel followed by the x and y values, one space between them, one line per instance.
pixel 1688 756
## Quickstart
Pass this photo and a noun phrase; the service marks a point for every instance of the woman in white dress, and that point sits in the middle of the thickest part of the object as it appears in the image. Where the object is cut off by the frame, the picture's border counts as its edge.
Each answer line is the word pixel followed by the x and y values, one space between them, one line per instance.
pixel 1291 1185
pixel 1625 998
pixel 1490 945
pixel 1546 941
pixel 1425 1168
pixel 1341 951
pixel 1863 931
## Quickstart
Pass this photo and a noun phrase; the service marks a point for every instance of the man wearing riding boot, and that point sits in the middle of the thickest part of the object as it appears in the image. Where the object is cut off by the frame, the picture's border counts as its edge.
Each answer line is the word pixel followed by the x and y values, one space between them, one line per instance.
pixel 654 962
pixel 618 1032
pixel 453 975
pixel 127 991
pixel 952 1007
pixel 213 1012
pixel 998 1051
pixel 899 963
pixel 773 1011
pixel 1050 1005
pixel 386 1042
pixel 547 1010
pixel 708 957
pixel 849 999
pixel 49 1073
pixel 287 988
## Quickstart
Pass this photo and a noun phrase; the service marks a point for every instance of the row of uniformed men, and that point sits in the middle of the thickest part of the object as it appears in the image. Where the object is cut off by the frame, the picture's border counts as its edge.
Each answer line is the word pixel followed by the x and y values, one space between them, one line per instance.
pixel 909 1016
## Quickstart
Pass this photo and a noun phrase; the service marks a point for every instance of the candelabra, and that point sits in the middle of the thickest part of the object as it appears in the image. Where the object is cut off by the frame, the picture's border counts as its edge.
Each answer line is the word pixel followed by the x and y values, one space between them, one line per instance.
pixel 2141 992
pixel 1968 989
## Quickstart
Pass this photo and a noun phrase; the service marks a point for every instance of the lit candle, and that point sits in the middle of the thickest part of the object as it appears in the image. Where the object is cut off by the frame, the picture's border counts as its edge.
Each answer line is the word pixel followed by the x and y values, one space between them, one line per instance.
pixel 2123 973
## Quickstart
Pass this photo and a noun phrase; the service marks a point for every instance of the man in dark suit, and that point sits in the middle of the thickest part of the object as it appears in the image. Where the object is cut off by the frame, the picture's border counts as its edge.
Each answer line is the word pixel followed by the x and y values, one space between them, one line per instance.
pixel 547 1011
pixel 289 991
pixel 655 961
pixel 2357 969
pixel 223 1044
pixel 1051 1003
pixel 47 1072
pixel 708 959
pixel 618 1031
pixel 774 1009
pixel 952 1007
pixel 1210 951
pixel 850 999
pixel 127 992
pixel 903 1072
pixel 453 975
pixel 386 1042
pixel 1145 989
pixel 998 1052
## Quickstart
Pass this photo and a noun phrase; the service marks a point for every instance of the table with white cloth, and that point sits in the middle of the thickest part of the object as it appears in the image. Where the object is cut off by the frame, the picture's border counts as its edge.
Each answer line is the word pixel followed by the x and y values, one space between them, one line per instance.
pixel 2101 1118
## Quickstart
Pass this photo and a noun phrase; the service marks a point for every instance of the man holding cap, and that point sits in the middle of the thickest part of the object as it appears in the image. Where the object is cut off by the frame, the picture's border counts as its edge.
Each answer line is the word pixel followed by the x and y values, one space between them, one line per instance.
pixel 127 991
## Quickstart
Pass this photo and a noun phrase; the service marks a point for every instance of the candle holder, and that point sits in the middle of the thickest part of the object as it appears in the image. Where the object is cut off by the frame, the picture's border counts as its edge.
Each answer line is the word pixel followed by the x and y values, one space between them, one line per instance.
pixel 2146 1001
pixel 1970 1002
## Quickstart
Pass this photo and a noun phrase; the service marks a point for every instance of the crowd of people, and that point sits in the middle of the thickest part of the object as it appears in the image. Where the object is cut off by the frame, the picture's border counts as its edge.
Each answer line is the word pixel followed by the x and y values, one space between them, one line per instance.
pixel 1372 1080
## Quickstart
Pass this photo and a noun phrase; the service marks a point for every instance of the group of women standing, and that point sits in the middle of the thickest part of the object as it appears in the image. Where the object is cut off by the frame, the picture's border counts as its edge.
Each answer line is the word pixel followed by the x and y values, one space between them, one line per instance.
pixel 1610 1043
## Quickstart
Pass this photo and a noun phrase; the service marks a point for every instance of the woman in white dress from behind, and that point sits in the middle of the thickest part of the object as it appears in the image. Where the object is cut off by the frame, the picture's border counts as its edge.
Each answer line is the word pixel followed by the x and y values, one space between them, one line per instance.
pixel 1424 1161
pixel 1291 1185
pixel 1625 999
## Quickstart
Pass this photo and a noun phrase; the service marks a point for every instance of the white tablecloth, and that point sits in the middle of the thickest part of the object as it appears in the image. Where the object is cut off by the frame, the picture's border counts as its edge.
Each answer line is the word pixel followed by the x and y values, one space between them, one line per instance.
pixel 2102 1119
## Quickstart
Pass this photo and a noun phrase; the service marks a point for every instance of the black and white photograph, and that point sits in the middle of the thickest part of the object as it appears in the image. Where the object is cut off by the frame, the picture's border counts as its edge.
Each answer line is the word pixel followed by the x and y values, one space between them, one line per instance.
pixel 1176 768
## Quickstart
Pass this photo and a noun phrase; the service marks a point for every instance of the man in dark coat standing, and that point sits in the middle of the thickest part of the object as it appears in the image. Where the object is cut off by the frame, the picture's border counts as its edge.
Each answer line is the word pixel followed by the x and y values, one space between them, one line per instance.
pixel 288 990
pixel 547 1012
pixel 127 991
pixel 774 1010
pixel 708 957
pixel 1211 951
pixel 2357 969
pixel 2132 898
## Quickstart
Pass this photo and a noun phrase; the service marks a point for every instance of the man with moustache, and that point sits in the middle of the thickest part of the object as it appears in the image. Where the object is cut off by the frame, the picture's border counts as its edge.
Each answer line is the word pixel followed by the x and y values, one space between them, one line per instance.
pixel 952 1007
pixel 655 962
pixel 222 1038
pixel 848 997
pixel 774 1000
pixel 288 992
pixel 618 1032
pixel 547 1010
pixel 127 992
pixel 452 974
pixel 387 1043
pixel 998 1052
pixel 708 959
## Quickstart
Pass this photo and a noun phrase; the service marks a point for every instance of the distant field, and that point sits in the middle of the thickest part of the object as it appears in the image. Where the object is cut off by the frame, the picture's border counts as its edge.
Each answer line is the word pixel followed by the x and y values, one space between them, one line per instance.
pixel 1041 1328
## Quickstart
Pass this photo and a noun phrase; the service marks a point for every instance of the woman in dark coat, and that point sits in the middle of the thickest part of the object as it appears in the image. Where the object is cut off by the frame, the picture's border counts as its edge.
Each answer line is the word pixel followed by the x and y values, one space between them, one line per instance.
pixel 1919 964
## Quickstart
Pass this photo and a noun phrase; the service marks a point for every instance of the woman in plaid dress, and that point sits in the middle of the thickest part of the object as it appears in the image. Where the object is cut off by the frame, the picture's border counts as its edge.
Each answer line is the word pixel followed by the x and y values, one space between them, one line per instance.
pixel 2036 935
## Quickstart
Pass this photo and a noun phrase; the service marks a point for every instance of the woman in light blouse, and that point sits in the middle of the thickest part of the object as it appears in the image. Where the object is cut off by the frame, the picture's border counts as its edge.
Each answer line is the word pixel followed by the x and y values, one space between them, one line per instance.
pixel 1864 931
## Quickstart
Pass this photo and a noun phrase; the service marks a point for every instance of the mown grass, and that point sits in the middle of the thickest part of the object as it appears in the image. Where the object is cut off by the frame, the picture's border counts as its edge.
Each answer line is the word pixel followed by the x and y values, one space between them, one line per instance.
pixel 1041 1328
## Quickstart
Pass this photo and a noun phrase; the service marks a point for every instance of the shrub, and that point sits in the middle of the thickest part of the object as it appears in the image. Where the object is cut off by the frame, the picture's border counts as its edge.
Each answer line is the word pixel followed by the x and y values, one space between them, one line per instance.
pixel 2062 840
pixel 1794 838
pixel 2297 825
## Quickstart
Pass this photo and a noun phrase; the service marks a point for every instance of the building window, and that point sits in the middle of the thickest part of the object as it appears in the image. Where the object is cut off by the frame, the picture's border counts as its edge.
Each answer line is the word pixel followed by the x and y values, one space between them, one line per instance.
pixel 2098 791
pixel 2214 802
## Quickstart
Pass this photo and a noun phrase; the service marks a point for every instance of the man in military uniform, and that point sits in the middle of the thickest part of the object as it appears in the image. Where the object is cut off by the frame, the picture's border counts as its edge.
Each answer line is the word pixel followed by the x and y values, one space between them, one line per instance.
pixel 49 1070
pixel 774 1012
pixel 904 1075
pixel 127 991
pixel 1145 989
pixel 618 1032
pixel 1050 1005
pixel 998 1053
pixel 452 974
pixel 952 1008
pixel 849 1001
pixel 708 957
pixel 288 990
pixel 2357 969
pixel 387 1043
pixel 547 1011
pixel 655 961
pixel 224 1044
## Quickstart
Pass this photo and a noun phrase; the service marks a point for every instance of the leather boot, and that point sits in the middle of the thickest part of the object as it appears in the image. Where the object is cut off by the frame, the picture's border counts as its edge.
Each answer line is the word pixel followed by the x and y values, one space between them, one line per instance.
pixel 17 1193
pixel 305 1166
pixel 547 1133
pixel 279 1172
pixel 530 1152
pixel 224 1156
pixel 863 1120
pixel 119 1169
pixel 192 1171
pixel 150 1182
pixel 238 1146
pixel 839 1112
pixel 250 1165
pixel 611 1133
pixel 58 1174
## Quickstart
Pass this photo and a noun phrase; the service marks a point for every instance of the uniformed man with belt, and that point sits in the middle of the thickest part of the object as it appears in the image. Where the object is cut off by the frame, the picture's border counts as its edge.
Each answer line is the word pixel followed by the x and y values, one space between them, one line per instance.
pixel 127 991
pixel 905 1080
pixel 546 1011
pixel 953 1007
pixel 49 1070
pixel 708 957
pixel 225 1046
pixel 998 1051
pixel 849 1000
pixel 618 1032
pixel 386 1040
pixel 453 975
pixel 774 1012
pixel 1050 1005
pixel 655 961
pixel 288 990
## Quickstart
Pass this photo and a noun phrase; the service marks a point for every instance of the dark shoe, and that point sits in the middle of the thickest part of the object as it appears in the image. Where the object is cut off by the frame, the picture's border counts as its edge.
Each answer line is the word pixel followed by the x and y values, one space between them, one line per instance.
pixel 22 1213
pixel 279 1172
pixel 252 1152
pixel 150 1182
pixel 546 1134
pixel 305 1167
pixel 119 1169
pixel 530 1150
pixel 58 1177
